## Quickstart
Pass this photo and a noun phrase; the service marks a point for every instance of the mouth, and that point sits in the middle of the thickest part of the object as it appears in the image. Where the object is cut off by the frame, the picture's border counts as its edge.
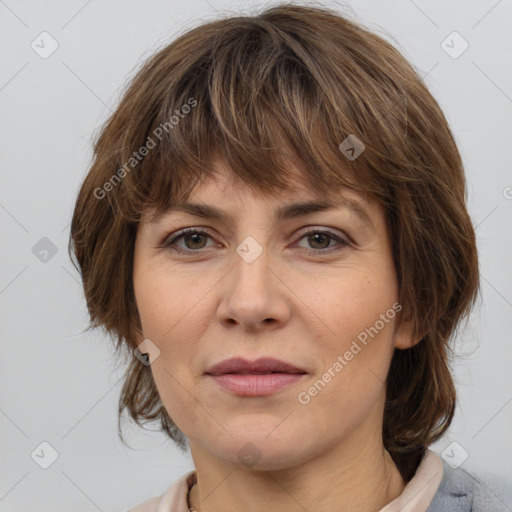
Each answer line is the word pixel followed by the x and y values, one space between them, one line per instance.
pixel 256 384
pixel 254 373
pixel 262 366
pixel 259 378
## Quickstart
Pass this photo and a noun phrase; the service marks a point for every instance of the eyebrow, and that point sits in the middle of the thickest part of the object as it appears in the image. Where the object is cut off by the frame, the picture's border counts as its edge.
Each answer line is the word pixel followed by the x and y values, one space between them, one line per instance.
pixel 289 211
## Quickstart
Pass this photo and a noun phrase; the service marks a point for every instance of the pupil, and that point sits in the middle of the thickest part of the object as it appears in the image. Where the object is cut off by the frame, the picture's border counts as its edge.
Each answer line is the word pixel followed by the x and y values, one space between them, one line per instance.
pixel 194 238
pixel 321 235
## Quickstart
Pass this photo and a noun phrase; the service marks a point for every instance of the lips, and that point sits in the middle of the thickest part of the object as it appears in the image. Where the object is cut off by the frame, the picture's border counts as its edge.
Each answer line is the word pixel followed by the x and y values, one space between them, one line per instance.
pixel 265 365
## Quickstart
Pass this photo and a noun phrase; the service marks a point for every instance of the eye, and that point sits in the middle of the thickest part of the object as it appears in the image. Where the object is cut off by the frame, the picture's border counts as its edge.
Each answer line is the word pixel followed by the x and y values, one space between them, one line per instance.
pixel 196 237
pixel 320 241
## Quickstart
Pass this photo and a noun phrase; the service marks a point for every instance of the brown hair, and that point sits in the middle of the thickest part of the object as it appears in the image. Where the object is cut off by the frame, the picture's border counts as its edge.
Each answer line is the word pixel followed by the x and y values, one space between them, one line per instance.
pixel 289 84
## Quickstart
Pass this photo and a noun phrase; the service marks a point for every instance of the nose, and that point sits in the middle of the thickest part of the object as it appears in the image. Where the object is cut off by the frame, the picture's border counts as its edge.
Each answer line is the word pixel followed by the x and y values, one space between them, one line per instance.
pixel 253 296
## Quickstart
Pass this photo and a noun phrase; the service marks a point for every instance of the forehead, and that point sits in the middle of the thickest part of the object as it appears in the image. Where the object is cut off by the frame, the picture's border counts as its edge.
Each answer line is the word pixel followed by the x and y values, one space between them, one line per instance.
pixel 222 194
pixel 227 186
pixel 225 197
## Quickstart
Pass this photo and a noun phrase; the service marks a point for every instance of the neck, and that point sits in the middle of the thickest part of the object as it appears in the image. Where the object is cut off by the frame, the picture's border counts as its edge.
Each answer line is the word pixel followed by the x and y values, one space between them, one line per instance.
pixel 350 476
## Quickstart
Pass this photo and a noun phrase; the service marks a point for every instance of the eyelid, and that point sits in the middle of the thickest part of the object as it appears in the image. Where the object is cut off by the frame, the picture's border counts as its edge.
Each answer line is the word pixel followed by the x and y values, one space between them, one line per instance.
pixel 342 240
pixel 182 232
pixel 324 229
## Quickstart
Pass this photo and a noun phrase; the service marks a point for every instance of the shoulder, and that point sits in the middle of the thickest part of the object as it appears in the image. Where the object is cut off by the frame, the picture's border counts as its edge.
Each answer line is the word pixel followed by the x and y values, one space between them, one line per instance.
pixel 174 498
pixel 150 505
pixel 462 491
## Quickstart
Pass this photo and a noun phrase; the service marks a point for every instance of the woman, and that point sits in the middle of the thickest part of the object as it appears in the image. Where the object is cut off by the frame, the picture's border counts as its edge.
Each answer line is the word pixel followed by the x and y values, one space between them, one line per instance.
pixel 275 228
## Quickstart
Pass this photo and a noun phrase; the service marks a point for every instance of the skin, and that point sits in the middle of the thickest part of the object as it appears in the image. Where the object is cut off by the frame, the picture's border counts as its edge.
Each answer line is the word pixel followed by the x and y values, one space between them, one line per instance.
pixel 295 303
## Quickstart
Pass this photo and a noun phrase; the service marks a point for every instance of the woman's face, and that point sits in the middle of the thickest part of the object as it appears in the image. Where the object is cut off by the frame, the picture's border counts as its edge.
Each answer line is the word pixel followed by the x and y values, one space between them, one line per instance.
pixel 258 285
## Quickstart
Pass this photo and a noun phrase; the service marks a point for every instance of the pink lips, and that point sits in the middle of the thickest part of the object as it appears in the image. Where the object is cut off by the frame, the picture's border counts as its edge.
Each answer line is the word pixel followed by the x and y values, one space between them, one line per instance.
pixel 262 365
pixel 261 377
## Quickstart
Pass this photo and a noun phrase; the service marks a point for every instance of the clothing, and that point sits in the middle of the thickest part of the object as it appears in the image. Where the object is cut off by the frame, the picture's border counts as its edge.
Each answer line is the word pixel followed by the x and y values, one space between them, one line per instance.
pixel 435 487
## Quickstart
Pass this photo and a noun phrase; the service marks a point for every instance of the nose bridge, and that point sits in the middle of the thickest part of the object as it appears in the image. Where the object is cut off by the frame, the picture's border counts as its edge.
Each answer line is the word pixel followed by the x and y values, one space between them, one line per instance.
pixel 251 270
pixel 251 296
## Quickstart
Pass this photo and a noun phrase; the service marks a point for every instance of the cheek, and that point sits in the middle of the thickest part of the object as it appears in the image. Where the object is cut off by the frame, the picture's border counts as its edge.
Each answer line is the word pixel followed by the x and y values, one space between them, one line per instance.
pixel 176 393
pixel 170 304
pixel 343 306
pixel 173 317
pixel 354 335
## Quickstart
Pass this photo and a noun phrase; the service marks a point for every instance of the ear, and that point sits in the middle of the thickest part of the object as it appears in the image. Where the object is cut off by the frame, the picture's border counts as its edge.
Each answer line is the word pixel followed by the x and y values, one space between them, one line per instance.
pixel 404 338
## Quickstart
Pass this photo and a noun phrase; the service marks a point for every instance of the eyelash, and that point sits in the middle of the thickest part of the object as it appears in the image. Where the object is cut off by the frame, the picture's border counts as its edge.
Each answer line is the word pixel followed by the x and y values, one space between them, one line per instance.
pixel 168 245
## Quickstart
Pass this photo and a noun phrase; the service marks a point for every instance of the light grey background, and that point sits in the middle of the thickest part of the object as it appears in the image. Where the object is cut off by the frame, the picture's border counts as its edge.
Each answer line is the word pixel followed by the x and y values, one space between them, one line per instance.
pixel 60 386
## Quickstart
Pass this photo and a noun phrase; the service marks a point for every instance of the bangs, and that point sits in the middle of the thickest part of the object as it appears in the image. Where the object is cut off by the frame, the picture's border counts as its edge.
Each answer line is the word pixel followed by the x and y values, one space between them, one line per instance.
pixel 260 101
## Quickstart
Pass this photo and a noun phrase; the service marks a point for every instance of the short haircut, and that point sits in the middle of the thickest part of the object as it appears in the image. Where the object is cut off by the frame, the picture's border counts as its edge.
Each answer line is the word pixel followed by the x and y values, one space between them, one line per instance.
pixel 293 83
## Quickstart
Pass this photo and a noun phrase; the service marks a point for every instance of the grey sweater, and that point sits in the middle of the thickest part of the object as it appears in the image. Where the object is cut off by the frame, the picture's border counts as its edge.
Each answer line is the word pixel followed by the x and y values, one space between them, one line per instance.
pixel 459 491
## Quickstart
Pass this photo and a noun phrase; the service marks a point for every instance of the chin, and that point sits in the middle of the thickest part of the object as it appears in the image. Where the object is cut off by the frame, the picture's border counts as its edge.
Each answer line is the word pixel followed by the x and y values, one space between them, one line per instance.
pixel 259 451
